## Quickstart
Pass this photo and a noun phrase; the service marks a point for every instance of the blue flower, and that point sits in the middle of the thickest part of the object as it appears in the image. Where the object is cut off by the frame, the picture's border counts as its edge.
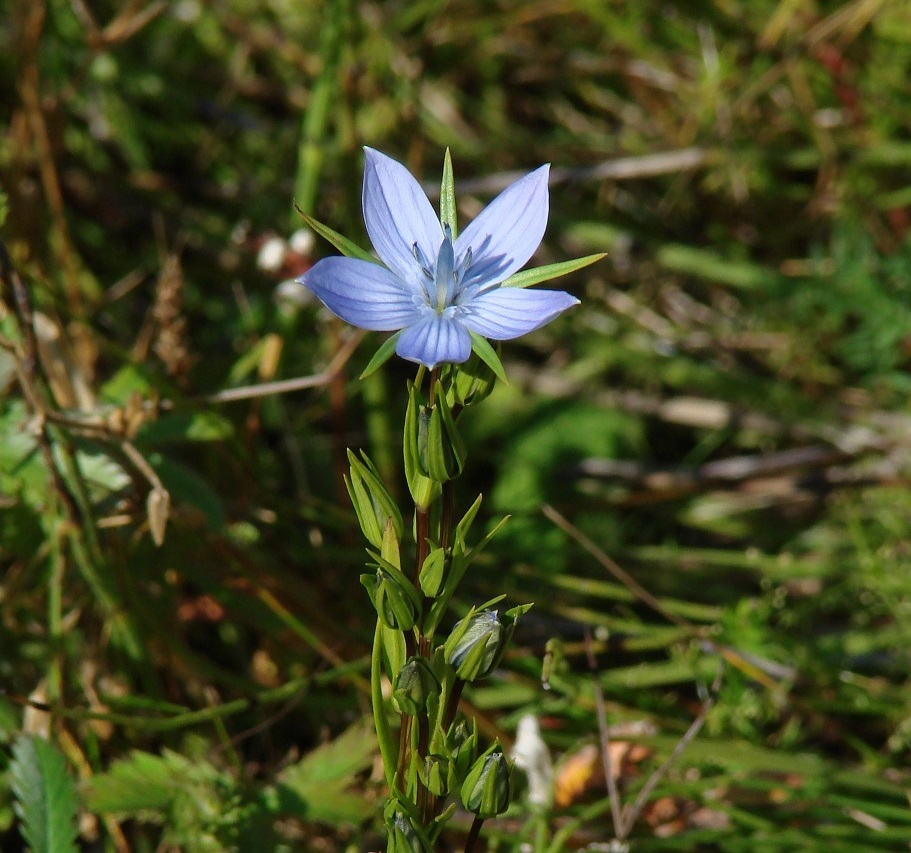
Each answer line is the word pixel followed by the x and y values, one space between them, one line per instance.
pixel 432 288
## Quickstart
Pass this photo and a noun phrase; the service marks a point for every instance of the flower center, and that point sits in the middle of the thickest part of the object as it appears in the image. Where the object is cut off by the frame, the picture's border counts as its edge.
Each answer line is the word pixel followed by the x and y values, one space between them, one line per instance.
pixel 441 283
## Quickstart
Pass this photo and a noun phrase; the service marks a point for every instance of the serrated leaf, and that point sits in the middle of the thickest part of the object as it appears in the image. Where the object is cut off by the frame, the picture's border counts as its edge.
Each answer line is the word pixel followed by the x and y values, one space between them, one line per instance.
pixel 484 351
pixel 448 214
pixel 382 355
pixel 317 785
pixel 526 278
pixel 141 782
pixel 343 244
pixel 45 796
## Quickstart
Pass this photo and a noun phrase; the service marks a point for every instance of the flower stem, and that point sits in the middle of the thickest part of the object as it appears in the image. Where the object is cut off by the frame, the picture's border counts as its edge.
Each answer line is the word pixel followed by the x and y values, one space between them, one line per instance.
pixel 473 834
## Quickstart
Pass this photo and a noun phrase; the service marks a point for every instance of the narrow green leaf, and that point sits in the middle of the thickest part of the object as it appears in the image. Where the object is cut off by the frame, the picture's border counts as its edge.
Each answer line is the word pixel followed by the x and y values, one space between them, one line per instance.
pixel 343 244
pixel 382 355
pixel 388 748
pixel 448 214
pixel 526 278
pixel 462 527
pixel 484 351
pixel 45 796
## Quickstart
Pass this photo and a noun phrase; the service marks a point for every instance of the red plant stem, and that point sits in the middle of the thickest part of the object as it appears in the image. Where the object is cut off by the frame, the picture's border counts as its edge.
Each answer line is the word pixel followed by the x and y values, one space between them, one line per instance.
pixel 473 834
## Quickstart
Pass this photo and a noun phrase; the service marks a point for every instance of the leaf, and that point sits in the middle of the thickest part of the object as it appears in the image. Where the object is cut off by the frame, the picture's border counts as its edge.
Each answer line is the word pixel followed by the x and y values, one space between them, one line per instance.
pixel 709 266
pixel 185 485
pixel 317 785
pixel 448 213
pixel 186 426
pixel 143 783
pixel 484 351
pixel 343 244
pixel 45 796
pixel 382 355
pixel 526 278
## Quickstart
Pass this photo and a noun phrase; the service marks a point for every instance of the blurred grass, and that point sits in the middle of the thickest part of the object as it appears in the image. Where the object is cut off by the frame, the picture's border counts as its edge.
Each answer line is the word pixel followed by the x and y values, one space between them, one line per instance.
pixel 755 299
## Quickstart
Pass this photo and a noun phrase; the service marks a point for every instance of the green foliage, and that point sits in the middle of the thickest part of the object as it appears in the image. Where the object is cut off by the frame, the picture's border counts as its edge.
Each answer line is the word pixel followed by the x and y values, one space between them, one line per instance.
pixel 45 796
pixel 319 786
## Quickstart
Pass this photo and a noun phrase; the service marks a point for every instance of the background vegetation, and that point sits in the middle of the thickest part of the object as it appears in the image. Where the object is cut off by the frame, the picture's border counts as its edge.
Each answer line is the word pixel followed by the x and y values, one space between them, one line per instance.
pixel 725 419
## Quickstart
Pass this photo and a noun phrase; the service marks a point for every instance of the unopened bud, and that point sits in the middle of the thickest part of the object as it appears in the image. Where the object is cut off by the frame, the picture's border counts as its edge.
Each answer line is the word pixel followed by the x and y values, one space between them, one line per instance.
pixel 470 382
pixel 435 774
pixel 414 685
pixel 404 836
pixel 476 644
pixel 396 600
pixel 461 743
pixel 485 791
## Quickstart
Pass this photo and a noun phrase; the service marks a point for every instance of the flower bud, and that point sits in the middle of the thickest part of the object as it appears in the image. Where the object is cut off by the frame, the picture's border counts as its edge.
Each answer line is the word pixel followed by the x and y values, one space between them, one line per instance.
pixel 461 743
pixel 404 836
pixel 372 503
pixel 433 572
pixel 470 382
pixel 435 774
pixel 485 791
pixel 396 600
pixel 476 645
pixel 443 448
pixel 414 685
pixel 424 489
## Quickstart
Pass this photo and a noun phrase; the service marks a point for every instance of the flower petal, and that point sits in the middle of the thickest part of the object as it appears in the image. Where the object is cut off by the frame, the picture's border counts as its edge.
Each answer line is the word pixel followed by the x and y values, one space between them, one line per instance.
pixel 505 234
pixel 435 340
pixel 361 293
pixel 398 215
pixel 508 312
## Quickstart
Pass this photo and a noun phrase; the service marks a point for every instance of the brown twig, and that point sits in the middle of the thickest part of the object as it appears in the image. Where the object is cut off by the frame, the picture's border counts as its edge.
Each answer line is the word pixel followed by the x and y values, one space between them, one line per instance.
pixel 604 732
pixel 631 812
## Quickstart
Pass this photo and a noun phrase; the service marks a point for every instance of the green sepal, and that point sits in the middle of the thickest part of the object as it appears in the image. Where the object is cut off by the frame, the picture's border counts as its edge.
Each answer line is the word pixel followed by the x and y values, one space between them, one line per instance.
pixel 526 278
pixel 433 572
pixel 444 448
pixel 382 355
pixel 343 244
pixel 448 213
pixel 481 347
pixel 390 548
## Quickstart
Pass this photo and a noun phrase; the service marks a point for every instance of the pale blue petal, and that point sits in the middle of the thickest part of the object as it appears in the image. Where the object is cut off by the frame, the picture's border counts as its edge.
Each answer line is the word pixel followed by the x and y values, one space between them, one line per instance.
pixel 507 312
pixel 435 340
pixel 506 233
pixel 361 293
pixel 398 215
